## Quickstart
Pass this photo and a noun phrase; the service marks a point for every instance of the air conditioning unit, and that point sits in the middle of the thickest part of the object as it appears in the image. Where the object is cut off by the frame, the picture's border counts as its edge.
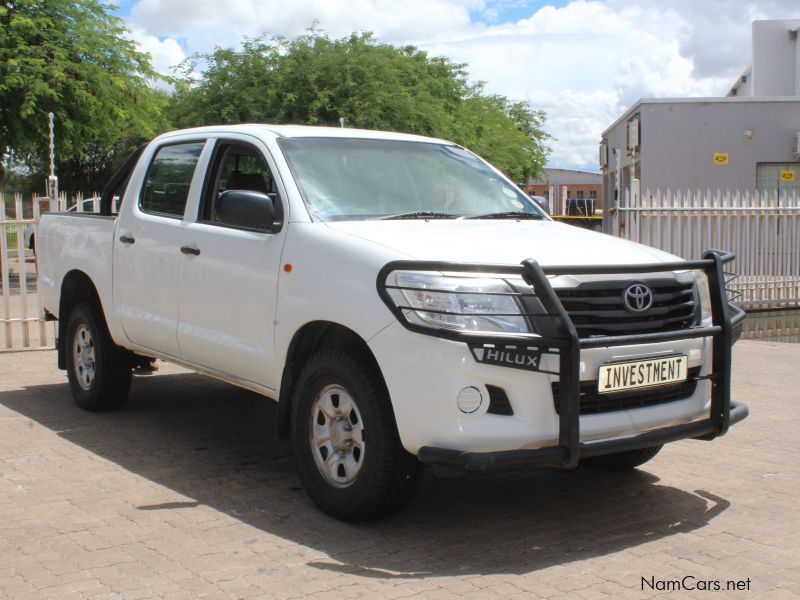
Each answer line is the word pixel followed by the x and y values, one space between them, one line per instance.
pixel 796 146
pixel 603 155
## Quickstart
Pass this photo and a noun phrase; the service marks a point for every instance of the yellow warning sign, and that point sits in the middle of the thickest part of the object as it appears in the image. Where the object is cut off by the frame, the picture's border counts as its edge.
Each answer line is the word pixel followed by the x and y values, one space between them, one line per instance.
pixel 720 158
pixel 788 175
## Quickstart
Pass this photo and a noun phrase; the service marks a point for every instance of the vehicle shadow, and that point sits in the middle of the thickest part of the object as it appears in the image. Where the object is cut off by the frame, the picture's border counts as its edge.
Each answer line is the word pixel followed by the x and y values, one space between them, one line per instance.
pixel 215 445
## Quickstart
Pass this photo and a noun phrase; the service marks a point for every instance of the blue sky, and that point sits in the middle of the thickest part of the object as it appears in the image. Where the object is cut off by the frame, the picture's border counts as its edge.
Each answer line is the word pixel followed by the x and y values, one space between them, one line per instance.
pixel 583 62
pixel 509 11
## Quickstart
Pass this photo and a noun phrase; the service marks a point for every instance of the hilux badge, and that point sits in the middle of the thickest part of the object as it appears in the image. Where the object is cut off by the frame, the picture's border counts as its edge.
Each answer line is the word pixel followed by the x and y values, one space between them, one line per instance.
pixel 516 358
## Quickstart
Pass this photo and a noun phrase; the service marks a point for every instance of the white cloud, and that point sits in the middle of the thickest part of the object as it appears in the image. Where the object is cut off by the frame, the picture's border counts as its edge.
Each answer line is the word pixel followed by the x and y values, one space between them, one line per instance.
pixel 208 23
pixel 584 63
pixel 165 54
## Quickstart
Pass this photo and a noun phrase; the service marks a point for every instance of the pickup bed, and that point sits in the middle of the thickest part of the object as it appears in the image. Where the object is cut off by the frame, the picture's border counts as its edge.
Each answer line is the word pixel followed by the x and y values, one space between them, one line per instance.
pixel 401 300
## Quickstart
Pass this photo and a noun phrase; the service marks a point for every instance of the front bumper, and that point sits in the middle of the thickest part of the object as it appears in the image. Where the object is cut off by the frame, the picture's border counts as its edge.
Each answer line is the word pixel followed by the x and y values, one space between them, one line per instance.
pixel 567 345
pixel 555 455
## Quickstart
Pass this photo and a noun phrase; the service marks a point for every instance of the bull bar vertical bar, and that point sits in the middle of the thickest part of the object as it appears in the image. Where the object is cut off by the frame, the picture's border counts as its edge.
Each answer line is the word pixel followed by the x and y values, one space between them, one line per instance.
pixel 569 363
pixel 721 381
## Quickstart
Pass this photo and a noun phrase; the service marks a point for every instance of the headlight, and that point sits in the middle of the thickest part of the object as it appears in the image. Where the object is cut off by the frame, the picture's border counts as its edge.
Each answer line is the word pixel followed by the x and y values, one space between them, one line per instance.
pixel 460 303
pixel 702 293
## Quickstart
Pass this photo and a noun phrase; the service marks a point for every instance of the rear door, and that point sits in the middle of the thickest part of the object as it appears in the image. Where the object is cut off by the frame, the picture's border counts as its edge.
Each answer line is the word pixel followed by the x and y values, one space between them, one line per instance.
pixel 147 248
pixel 228 287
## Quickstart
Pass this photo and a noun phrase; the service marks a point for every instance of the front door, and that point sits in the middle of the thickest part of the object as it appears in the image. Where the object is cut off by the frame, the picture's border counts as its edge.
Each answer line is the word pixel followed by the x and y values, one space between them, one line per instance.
pixel 228 289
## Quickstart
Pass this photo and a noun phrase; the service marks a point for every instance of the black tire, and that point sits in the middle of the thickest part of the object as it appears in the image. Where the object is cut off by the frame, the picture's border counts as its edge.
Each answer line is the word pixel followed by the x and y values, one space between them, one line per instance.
pixel 388 476
pixel 621 461
pixel 108 386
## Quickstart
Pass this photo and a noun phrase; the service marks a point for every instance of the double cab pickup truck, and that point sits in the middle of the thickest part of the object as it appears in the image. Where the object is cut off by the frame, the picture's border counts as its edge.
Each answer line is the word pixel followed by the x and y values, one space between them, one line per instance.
pixel 401 300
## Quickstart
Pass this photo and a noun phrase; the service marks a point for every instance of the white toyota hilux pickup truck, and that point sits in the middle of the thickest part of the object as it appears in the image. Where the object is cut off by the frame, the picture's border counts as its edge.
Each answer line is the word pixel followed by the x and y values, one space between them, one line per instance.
pixel 402 301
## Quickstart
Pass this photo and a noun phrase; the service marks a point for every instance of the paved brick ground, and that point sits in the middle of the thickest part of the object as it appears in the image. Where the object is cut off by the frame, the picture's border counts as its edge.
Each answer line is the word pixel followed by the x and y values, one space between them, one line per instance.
pixel 186 493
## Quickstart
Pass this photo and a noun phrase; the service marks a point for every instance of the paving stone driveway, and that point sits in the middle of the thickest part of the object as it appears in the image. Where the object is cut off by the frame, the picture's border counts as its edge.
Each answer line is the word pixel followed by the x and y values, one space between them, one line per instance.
pixel 186 493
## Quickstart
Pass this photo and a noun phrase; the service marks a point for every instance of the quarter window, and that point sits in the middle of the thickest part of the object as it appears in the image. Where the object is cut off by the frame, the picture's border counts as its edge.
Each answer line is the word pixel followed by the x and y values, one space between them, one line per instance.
pixel 169 179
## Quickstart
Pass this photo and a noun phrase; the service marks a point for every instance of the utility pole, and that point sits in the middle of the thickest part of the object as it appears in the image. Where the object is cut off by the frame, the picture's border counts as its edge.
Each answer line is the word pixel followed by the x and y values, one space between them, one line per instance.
pixel 52 180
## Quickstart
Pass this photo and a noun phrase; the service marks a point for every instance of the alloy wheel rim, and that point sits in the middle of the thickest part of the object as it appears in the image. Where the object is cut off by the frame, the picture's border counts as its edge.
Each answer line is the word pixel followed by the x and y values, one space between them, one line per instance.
pixel 83 357
pixel 337 436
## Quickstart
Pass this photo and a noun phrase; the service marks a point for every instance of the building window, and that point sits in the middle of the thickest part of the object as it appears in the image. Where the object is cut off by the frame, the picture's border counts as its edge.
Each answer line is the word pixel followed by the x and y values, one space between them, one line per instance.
pixel 580 195
pixel 593 195
pixel 778 177
pixel 546 194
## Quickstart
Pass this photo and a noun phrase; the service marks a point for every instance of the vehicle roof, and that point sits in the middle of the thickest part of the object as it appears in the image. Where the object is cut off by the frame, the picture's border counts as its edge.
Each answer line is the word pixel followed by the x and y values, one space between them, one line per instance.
pixel 298 131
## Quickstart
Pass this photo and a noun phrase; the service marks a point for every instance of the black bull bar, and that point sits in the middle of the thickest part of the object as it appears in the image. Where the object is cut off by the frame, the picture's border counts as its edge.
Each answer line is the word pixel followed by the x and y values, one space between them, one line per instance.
pixel 726 317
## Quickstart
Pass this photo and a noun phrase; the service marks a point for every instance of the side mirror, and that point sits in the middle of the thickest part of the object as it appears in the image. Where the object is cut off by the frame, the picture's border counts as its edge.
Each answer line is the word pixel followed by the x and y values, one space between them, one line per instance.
pixel 246 209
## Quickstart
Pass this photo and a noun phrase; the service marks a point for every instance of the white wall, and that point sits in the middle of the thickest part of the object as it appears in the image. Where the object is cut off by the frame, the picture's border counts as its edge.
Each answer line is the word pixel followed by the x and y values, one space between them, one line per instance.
pixel 774 68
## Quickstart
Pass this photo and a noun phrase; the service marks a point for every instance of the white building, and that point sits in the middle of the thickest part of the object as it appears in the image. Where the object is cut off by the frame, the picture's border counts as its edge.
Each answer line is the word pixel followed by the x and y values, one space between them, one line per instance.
pixel 775 68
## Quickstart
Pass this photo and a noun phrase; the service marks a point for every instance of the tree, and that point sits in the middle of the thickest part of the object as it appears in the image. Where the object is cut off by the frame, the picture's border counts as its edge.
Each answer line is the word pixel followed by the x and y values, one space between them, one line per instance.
pixel 71 58
pixel 315 80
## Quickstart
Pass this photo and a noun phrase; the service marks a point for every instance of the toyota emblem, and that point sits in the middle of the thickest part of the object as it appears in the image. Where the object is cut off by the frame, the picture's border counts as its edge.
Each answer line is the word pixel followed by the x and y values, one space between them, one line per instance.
pixel 638 298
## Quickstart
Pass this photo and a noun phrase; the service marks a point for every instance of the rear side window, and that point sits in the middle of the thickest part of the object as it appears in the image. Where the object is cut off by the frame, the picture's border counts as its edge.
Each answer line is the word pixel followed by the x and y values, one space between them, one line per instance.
pixel 169 179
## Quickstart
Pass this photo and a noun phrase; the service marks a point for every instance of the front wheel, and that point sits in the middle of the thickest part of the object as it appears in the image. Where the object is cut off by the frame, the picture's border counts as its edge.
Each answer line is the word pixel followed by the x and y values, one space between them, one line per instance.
pixel 98 370
pixel 348 452
pixel 621 461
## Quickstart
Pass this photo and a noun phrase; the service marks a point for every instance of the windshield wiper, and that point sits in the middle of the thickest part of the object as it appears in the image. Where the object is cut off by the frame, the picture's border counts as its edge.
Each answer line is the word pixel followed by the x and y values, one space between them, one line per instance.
pixel 511 214
pixel 420 214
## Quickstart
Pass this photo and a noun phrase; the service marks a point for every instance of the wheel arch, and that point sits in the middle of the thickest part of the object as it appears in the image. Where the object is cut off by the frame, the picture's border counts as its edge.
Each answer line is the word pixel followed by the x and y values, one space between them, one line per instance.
pixel 307 340
pixel 76 287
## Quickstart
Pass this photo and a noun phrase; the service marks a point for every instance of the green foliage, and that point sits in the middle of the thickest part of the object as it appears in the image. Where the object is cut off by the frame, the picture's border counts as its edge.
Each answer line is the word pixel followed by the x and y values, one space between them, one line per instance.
pixel 71 58
pixel 315 80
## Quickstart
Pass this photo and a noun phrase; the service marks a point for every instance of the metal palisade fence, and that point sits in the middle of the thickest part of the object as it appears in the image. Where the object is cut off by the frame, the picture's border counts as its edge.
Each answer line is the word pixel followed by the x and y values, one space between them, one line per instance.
pixel 21 322
pixel 762 229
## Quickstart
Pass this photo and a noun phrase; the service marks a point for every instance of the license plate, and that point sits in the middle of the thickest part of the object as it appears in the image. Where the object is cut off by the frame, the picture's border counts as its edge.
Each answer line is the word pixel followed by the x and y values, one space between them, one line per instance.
pixel 631 375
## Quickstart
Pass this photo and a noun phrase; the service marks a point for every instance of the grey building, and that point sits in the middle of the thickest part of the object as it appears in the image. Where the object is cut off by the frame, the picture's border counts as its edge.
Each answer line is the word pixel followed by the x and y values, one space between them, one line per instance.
pixel 703 143
pixel 775 68
pixel 746 141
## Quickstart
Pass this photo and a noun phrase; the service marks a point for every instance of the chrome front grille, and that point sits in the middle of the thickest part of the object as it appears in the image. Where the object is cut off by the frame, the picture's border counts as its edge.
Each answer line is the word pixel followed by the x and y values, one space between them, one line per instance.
pixel 598 307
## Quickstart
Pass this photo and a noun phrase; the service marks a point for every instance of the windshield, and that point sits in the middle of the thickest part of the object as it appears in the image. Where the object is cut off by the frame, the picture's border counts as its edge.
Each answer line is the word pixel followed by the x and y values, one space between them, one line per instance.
pixel 354 179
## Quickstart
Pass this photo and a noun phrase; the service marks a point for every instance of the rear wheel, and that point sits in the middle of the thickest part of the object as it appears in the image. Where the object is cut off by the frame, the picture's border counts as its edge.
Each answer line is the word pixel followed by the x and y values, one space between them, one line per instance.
pixel 349 454
pixel 620 461
pixel 98 370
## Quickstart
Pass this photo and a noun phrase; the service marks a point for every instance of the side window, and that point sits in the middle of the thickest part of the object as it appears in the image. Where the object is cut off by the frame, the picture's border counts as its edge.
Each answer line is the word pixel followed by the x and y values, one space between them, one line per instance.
pixel 238 167
pixel 169 178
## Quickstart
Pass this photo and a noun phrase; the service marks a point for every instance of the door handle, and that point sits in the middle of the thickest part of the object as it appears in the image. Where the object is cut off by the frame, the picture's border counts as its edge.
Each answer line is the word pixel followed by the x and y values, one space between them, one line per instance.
pixel 190 250
pixel 127 239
